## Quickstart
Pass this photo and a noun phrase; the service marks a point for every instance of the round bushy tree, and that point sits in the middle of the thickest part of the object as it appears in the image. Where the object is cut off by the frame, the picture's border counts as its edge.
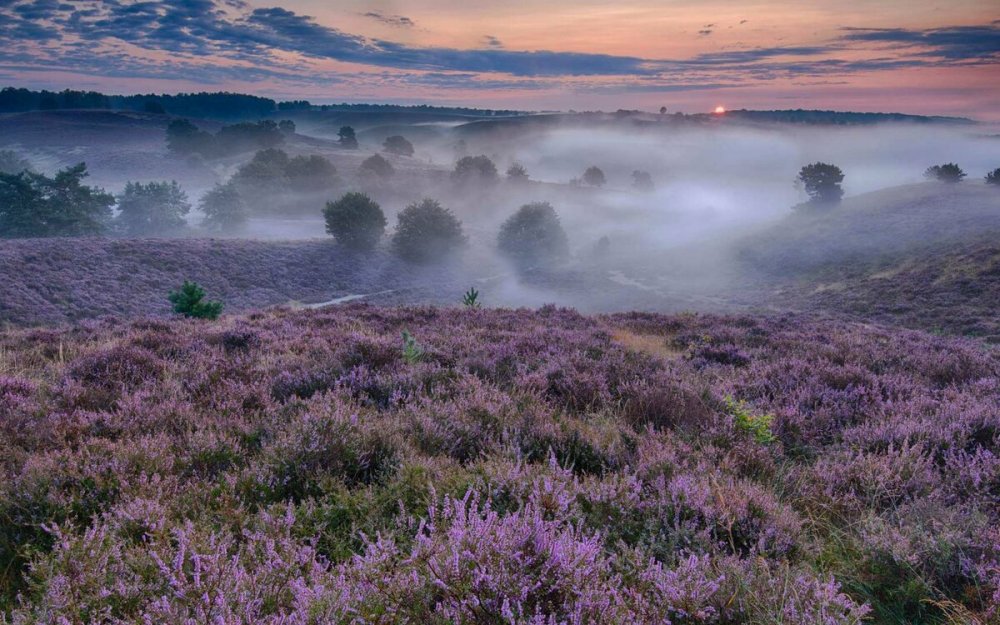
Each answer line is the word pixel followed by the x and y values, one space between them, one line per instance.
pixel 375 166
pixel 594 176
pixel 397 144
pixel 473 169
pixel 310 173
pixel 426 232
pixel 821 182
pixel 517 173
pixel 224 208
pixel 533 236
pixel 154 208
pixel 355 221
pixel 642 181
pixel 993 177
pixel 949 172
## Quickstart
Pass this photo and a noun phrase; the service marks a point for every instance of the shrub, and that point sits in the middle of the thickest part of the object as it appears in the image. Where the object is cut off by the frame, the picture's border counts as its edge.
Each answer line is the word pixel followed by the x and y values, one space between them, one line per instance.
pixel 398 145
pixel 949 172
pixel 223 207
pixel 154 208
pixel 189 301
pixel 375 166
pixel 426 232
pixel 594 176
pixel 355 221
pixel 471 299
pixel 474 169
pixel 533 236
pixel 822 183
pixel 993 177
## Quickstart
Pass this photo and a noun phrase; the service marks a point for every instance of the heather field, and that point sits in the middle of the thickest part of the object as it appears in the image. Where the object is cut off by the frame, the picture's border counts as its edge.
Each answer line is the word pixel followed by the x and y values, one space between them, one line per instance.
pixel 497 466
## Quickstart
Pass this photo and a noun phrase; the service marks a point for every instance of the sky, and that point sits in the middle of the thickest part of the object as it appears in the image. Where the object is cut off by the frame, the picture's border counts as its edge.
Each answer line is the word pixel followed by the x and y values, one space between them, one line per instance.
pixel 913 56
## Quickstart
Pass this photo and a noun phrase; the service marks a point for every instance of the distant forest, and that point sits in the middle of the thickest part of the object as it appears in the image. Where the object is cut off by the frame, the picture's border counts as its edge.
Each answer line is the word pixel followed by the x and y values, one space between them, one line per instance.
pixel 221 106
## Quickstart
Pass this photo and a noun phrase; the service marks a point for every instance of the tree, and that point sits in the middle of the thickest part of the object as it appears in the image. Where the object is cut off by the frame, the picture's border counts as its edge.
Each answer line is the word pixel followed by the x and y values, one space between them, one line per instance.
pixel 517 173
pixel 310 173
pixel 153 107
pixel 663 110
pixel 475 169
pixel 12 163
pixel 347 138
pixel 287 127
pixel 224 208
pixel 154 208
pixel 642 181
pixel 189 301
pixel 426 231
pixel 183 138
pixel 355 221
pixel 533 236
pixel 397 144
pixel 34 205
pixel 949 172
pixel 993 177
pixel 594 176
pixel 822 183
pixel 375 166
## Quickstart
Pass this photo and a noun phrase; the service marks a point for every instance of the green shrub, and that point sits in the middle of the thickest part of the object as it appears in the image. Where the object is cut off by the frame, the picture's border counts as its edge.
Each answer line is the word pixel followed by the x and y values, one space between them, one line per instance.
pixel 758 426
pixel 188 301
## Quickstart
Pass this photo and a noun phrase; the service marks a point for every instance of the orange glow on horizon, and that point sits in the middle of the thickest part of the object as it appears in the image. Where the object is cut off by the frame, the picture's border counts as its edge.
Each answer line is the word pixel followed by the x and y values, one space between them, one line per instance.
pixel 720 110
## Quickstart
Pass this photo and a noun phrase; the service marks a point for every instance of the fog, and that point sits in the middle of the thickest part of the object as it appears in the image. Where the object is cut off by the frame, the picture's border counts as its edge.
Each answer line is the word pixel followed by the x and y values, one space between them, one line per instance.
pixel 715 180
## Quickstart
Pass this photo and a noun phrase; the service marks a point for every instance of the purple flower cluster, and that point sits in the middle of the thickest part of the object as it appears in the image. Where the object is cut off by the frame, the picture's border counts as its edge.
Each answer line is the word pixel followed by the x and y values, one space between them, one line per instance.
pixel 529 467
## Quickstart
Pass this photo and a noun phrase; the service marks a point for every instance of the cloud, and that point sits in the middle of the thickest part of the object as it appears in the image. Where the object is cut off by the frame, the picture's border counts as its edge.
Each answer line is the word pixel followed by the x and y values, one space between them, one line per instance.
pixel 399 21
pixel 953 42
pixel 219 40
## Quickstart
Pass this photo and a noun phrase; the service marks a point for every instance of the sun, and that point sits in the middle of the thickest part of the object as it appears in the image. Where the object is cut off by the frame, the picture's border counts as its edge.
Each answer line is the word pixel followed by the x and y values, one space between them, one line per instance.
pixel 719 110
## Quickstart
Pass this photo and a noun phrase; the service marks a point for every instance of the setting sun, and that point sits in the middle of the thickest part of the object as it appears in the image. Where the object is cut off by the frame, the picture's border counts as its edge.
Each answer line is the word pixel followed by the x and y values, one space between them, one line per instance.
pixel 719 110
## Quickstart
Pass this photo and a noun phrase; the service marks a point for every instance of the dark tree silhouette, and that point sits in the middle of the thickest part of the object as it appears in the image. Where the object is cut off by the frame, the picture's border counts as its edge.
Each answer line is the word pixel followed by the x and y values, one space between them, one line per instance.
pixel 533 236
pixel 224 208
pixel 594 176
pixel 347 138
pixel 398 145
pixel 821 182
pixel 993 177
pixel 375 166
pixel 475 169
pixel 642 181
pixel 426 232
pixel 154 208
pixel 949 172
pixel 34 205
pixel 355 221
pixel 287 126
pixel 517 173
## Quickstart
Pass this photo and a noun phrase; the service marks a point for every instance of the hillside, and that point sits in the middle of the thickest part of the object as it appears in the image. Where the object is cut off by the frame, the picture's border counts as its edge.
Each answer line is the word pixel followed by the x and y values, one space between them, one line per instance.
pixel 51 281
pixel 924 256
pixel 318 467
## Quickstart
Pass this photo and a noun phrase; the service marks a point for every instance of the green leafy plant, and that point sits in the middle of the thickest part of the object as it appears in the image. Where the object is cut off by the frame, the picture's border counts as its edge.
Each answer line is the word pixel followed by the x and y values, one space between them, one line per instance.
pixel 412 351
pixel 757 425
pixel 189 301
pixel 471 298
